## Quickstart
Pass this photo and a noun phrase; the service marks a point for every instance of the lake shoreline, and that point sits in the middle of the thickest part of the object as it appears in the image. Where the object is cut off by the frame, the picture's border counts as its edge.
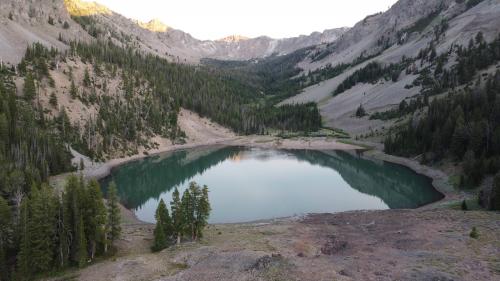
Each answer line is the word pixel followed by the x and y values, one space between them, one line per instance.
pixel 101 170
pixel 439 179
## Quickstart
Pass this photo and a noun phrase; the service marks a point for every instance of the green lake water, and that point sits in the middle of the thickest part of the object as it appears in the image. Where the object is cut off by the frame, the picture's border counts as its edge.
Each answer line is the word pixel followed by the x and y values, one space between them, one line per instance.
pixel 248 184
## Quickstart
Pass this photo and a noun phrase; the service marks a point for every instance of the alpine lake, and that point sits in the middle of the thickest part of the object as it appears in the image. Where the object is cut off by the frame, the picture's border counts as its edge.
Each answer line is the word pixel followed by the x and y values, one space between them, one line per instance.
pixel 250 184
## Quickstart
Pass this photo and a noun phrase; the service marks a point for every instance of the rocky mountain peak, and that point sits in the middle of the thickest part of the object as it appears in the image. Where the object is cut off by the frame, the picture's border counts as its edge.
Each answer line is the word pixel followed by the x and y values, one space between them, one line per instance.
pixel 233 39
pixel 154 25
pixel 81 8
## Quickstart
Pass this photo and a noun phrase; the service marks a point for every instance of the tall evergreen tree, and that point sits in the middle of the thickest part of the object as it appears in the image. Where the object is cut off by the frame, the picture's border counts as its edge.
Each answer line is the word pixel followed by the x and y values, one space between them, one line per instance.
pixel 29 87
pixel 162 216
pixel 113 214
pixel 86 78
pixel 73 91
pixel 72 214
pixel 495 194
pixel 177 215
pixel 41 226
pixel 23 270
pixel 203 213
pixel 81 251
pixel 62 230
pixel 95 217
pixel 188 213
pixel 5 237
pixel 160 235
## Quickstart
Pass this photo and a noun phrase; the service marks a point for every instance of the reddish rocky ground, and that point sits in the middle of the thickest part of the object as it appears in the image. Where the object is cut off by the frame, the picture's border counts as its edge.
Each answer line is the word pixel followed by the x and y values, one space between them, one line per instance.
pixel 376 245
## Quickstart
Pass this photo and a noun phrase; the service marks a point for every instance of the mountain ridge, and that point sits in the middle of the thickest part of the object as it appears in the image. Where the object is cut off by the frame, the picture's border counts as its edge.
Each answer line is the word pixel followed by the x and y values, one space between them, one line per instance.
pixel 153 37
pixel 402 32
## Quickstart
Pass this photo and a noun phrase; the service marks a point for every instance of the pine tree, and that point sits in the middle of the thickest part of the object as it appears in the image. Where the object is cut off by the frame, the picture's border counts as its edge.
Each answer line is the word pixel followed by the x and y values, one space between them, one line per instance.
pixel 86 78
pixel 73 90
pixel 72 214
pixel 53 99
pixel 160 240
pixel 95 217
pixel 41 226
pixel 23 270
pixel 4 131
pixel 113 214
pixel 162 216
pixel 188 213
pixel 360 112
pixel 81 256
pixel 495 194
pixel 177 215
pixel 62 250
pixel 5 237
pixel 29 87
pixel 196 197
pixel 464 206
pixel 203 212
pixel 160 235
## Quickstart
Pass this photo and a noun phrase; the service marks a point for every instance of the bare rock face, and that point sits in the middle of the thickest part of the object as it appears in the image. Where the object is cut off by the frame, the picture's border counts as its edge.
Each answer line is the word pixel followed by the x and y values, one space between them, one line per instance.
pixel 154 25
pixel 233 39
pixel 371 34
pixel 239 48
pixel 25 22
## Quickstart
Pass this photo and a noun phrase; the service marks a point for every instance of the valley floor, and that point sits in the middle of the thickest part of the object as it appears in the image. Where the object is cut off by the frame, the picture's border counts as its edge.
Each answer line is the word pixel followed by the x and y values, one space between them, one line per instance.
pixel 375 245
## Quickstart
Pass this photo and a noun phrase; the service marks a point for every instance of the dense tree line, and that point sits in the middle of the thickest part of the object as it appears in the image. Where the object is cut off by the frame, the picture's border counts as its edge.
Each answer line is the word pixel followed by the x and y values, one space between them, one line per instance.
pixel 189 217
pixel 30 147
pixel 435 79
pixel 274 76
pixel 329 71
pixel 403 109
pixel 478 55
pixel 278 76
pixel 372 73
pixel 463 126
pixel 51 231
pixel 154 90
pixel 225 100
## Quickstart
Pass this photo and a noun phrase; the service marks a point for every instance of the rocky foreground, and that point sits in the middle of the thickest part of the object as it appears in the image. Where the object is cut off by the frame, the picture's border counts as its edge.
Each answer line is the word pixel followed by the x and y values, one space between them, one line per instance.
pixel 376 245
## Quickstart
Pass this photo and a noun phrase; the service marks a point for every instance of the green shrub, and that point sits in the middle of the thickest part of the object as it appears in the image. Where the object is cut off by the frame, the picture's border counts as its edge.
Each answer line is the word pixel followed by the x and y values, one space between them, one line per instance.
pixel 464 205
pixel 495 194
pixel 474 233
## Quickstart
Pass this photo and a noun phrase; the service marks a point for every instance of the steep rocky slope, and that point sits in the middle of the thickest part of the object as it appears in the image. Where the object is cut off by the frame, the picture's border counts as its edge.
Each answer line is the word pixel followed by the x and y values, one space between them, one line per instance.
pixel 402 31
pixel 24 23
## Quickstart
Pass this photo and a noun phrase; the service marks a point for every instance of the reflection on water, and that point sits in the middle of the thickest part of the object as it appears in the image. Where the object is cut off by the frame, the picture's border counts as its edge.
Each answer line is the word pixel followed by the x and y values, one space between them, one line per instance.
pixel 250 184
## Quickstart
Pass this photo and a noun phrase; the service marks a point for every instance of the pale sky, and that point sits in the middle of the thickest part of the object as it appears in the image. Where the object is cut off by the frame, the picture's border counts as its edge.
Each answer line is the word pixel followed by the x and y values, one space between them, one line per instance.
pixel 214 19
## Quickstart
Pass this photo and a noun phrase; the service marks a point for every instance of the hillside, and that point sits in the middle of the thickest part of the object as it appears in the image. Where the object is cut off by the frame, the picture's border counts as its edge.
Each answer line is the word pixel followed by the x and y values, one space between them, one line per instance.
pixel 43 21
pixel 402 32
